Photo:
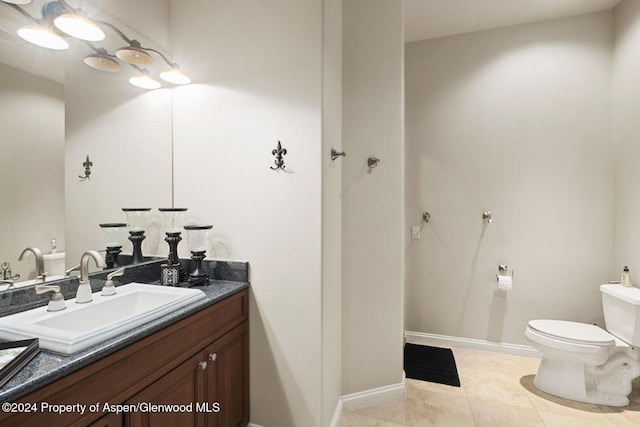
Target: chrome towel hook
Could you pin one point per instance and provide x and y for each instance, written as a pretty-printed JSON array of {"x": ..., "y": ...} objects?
[{"x": 335, "y": 154}]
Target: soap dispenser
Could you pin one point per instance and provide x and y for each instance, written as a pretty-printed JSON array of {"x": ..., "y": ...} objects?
[{"x": 625, "y": 279}]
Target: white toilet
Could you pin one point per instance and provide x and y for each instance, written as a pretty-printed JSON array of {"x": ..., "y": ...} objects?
[{"x": 586, "y": 363}]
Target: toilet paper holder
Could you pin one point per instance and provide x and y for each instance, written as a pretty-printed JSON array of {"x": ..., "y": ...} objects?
[{"x": 503, "y": 270}]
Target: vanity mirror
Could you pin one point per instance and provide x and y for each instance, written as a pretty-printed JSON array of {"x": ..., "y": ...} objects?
[{"x": 56, "y": 112}]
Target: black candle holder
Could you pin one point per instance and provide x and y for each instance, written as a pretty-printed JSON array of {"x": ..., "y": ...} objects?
[
  {"x": 136, "y": 238},
  {"x": 173, "y": 238},
  {"x": 198, "y": 238},
  {"x": 114, "y": 235},
  {"x": 137, "y": 223},
  {"x": 173, "y": 226},
  {"x": 198, "y": 275},
  {"x": 111, "y": 257}
]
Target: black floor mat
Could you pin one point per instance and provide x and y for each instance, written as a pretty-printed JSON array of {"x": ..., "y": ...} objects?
[{"x": 433, "y": 364}]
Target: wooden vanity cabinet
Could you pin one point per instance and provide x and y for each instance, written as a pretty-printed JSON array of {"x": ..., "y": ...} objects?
[
  {"x": 227, "y": 378},
  {"x": 199, "y": 366},
  {"x": 213, "y": 385},
  {"x": 109, "y": 420},
  {"x": 181, "y": 387}
]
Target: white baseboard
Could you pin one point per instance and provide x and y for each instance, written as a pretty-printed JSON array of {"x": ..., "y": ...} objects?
[
  {"x": 449, "y": 341},
  {"x": 367, "y": 398},
  {"x": 373, "y": 397},
  {"x": 337, "y": 415},
  {"x": 391, "y": 392},
  {"x": 364, "y": 398}
]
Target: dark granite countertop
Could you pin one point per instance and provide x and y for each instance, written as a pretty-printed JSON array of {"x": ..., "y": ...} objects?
[{"x": 47, "y": 367}]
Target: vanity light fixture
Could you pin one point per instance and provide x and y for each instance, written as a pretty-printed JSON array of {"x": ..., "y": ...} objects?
[
  {"x": 174, "y": 74},
  {"x": 76, "y": 24},
  {"x": 40, "y": 32},
  {"x": 42, "y": 36},
  {"x": 79, "y": 26},
  {"x": 138, "y": 56},
  {"x": 145, "y": 81},
  {"x": 134, "y": 54},
  {"x": 17, "y": 1},
  {"x": 101, "y": 60},
  {"x": 59, "y": 19}
]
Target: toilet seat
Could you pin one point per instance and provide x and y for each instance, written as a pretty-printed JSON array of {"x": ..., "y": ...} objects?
[{"x": 573, "y": 332}]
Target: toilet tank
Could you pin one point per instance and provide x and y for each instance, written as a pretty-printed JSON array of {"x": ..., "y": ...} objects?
[
  {"x": 54, "y": 264},
  {"x": 621, "y": 306}
]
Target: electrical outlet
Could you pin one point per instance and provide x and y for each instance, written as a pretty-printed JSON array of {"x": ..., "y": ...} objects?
[{"x": 415, "y": 232}]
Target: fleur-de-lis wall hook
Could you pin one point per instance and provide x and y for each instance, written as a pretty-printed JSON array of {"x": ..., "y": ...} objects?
[
  {"x": 87, "y": 169},
  {"x": 279, "y": 152}
]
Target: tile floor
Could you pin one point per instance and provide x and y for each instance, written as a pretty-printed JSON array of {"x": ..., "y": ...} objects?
[{"x": 497, "y": 391}]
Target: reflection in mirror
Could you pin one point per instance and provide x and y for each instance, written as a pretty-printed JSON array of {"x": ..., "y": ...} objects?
[
  {"x": 31, "y": 166},
  {"x": 56, "y": 111}
]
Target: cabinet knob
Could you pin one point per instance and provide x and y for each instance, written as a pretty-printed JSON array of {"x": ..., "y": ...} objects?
[
  {"x": 213, "y": 356},
  {"x": 202, "y": 365}
]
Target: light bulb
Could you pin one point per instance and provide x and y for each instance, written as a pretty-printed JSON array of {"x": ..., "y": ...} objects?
[
  {"x": 175, "y": 76},
  {"x": 145, "y": 81},
  {"x": 79, "y": 26},
  {"x": 134, "y": 55},
  {"x": 102, "y": 62},
  {"x": 43, "y": 37}
]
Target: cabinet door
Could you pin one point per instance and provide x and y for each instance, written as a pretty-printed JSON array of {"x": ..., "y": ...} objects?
[
  {"x": 170, "y": 400},
  {"x": 228, "y": 379},
  {"x": 109, "y": 420}
]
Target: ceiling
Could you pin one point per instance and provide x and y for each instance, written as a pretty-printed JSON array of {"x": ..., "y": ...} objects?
[{"x": 426, "y": 19}]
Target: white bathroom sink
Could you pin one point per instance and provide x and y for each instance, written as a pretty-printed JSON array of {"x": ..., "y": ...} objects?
[{"x": 82, "y": 325}]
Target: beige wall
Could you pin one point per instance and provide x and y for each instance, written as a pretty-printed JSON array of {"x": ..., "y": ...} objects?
[
  {"x": 626, "y": 128},
  {"x": 257, "y": 71},
  {"x": 515, "y": 121},
  {"x": 372, "y": 210},
  {"x": 126, "y": 131},
  {"x": 31, "y": 166},
  {"x": 280, "y": 81},
  {"x": 331, "y": 210},
  {"x": 512, "y": 120}
]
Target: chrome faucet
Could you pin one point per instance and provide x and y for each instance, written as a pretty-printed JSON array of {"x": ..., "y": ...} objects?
[
  {"x": 84, "y": 288},
  {"x": 57, "y": 300},
  {"x": 71, "y": 270},
  {"x": 40, "y": 274}
]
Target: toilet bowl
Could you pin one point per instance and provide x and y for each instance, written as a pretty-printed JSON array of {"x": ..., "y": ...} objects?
[{"x": 585, "y": 363}]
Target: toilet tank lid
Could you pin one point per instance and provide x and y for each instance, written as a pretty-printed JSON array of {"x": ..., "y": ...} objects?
[{"x": 630, "y": 294}]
